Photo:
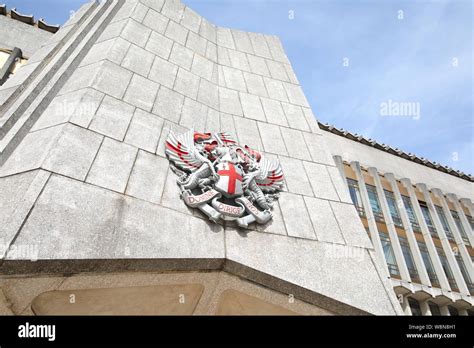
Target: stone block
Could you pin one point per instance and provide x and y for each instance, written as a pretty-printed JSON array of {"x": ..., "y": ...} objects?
[
  {"x": 73, "y": 152},
  {"x": 159, "y": 45},
  {"x": 77, "y": 107},
  {"x": 193, "y": 115},
  {"x": 295, "y": 94},
  {"x": 176, "y": 32},
  {"x": 339, "y": 184},
  {"x": 141, "y": 92},
  {"x": 227, "y": 123},
  {"x": 202, "y": 67},
  {"x": 138, "y": 60},
  {"x": 311, "y": 265},
  {"x": 318, "y": 149},
  {"x": 277, "y": 70},
  {"x": 144, "y": 131},
  {"x": 156, "y": 5},
  {"x": 324, "y": 221},
  {"x": 295, "y": 116},
  {"x": 181, "y": 56},
  {"x": 113, "y": 227},
  {"x": 173, "y": 9},
  {"x": 238, "y": 60},
  {"x": 155, "y": 21},
  {"x": 148, "y": 177},
  {"x": 271, "y": 139},
  {"x": 112, "y": 79},
  {"x": 19, "y": 193},
  {"x": 163, "y": 72},
  {"x": 255, "y": 84},
  {"x": 112, "y": 166},
  {"x": 136, "y": 33},
  {"x": 229, "y": 101},
  {"x": 259, "y": 45},
  {"x": 252, "y": 107},
  {"x": 208, "y": 94},
  {"x": 296, "y": 217},
  {"x": 112, "y": 49},
  {"x": 187, "y": 83},
  {"x": 171, "y": 195},
  {"x": 295, "y": 143},
  {"x": 242, "y": 41},
  {"x": 276, "y": 48},
  {"x": 207, "y": 30},
  {"x": 224, "y": 38},
  {"x": 247, "y": 133},
  {"x": 274, "y": 111},
  {"x": 321, "y": 181},
  {"x": 234, "y": 79},
  {"x": 223, "y": 56},
  {"x": 32, "y": 151},
  {"x": 196, "y": 43},
  {"x": 112, "y": 118},
  {"x": 213, "y": 123},
  {"x": 295, "y": 176},
  {"x": 191, "y": 20},
  {"x": 275, "y": 89},
  {"x": 211, "y": 51},
  {"x": 258, "y": 65},
  {"x": 352, "y": 228},
  {"x": 168, "y": 104}
]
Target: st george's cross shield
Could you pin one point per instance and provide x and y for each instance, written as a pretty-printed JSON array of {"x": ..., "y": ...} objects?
[{"x": 230, "y": 179}]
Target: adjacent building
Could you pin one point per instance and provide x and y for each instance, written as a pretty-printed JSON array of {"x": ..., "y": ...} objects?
[{"x": 90, "y": 211}]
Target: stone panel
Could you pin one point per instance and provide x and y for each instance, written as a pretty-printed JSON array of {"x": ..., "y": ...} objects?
[
  {"x": 352, "y": 228},
  {"x": 324, "y": 222},
  {"x": 296, "y": 217},
  {"x": 295, "y": 143},
  {"x": 320, "y": 181},
  {"x": 295, "y": 176},
  {"x": 73, "y": 152},
  {"x": 141, "y": 92},
  {"x": 168, "y": 104},
  {"x": 112, "y": 118},
  {"x": 144, "y": 131},
  {"x": 148, "y": 177},
  {"x": 163, "y": 72},
  {"x": 112, "y": 166}
]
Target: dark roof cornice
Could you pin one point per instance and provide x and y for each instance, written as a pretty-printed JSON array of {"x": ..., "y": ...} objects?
[{"x": 396, "y": 152}]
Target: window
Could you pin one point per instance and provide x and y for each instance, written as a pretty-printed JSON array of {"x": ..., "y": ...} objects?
[
  {"x": 392, "y": 205},
  {"x": 414, "y": 306},
  {"x": 453, "y": 311},
  {"x": 409, "y": 259},
  {"x": 411, "y": 214},
  {"x": 471, "y": 221},
  {"x": 389, "y": 255},
  {"x": 434, "y": 308},
  {"x": 457, "y": 220},
  {"x": 444, "y": 222},
  {"x": 465, "y": 274},
  {"x": 447, "y": 269},
  {"x": 374, "y": 203},
  {"x": 428, "y": 264},
  {"x": 355, "y": 196},
  {"x": 428, "y": 219}
]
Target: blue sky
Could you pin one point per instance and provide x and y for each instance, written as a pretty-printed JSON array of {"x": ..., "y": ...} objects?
[{"x": 426, "y": 58}]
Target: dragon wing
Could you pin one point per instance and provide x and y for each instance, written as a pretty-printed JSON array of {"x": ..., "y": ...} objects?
[
  {"x": 270, "y": 177},
  {"x": 181, "y": 150},
  {"x": 226, "y": 138}
]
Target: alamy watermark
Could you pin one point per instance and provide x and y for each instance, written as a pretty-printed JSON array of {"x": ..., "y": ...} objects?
[
  {"x": 341, "y": 252},
  {"x": 398, "y": 108},
  {"x": 19, "y": 251}
]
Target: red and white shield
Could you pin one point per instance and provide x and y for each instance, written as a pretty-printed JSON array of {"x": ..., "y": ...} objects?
[{"x": 230, "y": 179}]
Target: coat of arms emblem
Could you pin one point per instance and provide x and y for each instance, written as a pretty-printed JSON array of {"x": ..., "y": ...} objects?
[{"x": 223, "y": 179}]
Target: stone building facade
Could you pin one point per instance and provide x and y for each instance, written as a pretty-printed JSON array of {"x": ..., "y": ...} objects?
[{"x": 89, "y": 206}]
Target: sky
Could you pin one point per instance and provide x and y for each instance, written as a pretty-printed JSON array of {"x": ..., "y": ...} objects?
[{"x": 399, "y": 72}]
